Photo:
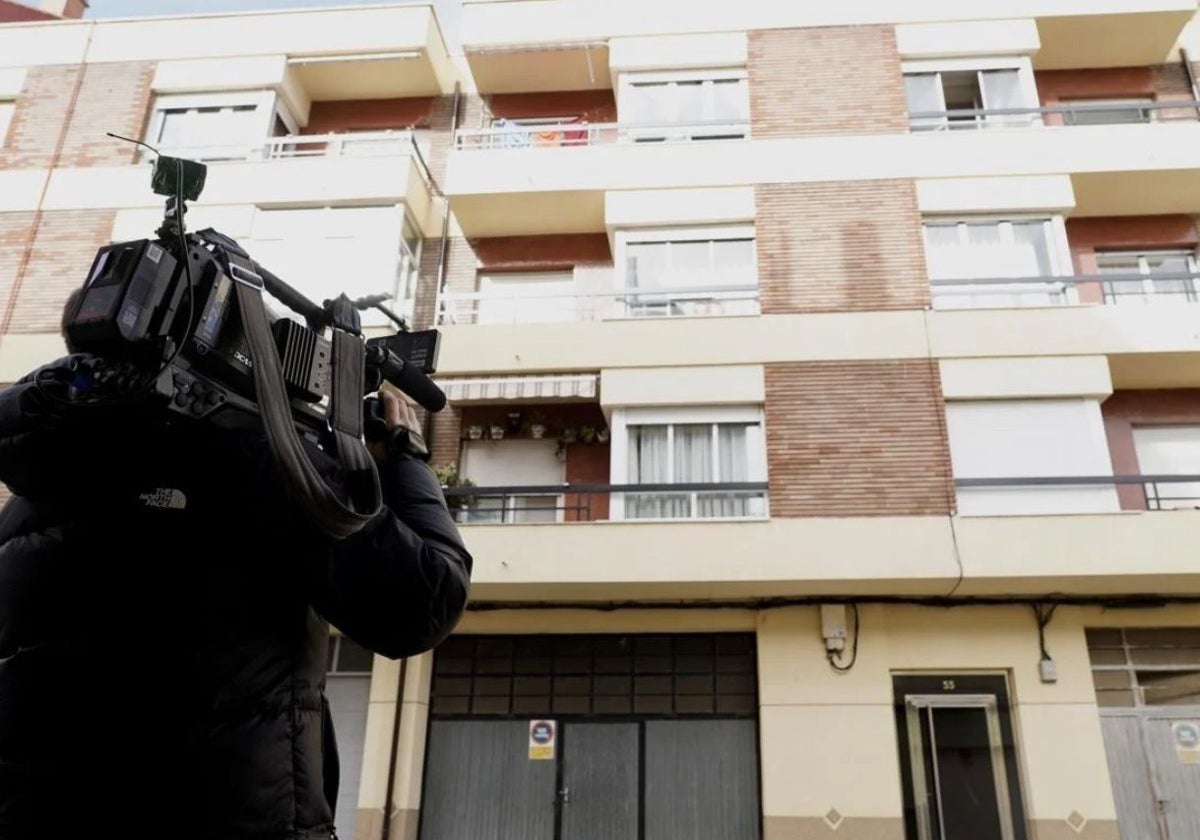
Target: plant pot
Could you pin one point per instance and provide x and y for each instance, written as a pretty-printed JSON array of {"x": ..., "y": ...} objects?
[
  {"x": 475, "y": 432},
  {"x": 568, "y": 436},
  {"x": 602, "y": 436},
  {"x": 496, "y": 432},
  {"x": 537, "y": 431}
]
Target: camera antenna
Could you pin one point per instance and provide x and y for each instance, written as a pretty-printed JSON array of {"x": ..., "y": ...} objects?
[{"x": 136, "y": 142}]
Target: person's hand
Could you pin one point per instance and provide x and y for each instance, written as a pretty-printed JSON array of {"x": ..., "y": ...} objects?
[{"x": 398, "y": 413}]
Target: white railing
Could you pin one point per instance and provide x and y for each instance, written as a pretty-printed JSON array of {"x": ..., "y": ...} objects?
[
  {"x": 518, "y": 307},
  {"x": 594, "y": 134},
  {"x": 352, "y": 144},
  {"x": 1110, "y": 288}
]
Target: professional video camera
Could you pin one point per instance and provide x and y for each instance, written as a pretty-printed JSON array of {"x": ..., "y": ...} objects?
[{"x": 180, "y": 321}]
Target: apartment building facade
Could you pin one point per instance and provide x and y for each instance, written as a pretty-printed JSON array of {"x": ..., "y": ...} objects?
[{"x": 824, "y": 388}]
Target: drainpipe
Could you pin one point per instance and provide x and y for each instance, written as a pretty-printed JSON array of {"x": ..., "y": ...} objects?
[{"x": 392, "y": 761}]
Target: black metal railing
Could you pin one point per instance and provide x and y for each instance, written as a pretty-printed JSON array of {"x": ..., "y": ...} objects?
[
  {"x": 959, "y": 119},
  {"x": 1114, "y": 286},
  {"x": 529, "y": 504},
  {"x": 1153, "y": 497}
]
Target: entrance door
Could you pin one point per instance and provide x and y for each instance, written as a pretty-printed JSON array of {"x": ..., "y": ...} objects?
[
  {"x": 957, "y": 758},
  {"x": 600, "y": 781},
  {"x": 1155, "y": 772}
]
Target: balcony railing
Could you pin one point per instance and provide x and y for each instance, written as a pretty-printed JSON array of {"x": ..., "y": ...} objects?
[
  {"x": 1154, "y": 492},
  {"x": 1111, "y": 288},
  {"x": 530, "y": 504},
  {"x": 595, "y": 134},
  {"x": 1107, "y": 113},
  {"x": 352, "y": 144},
  {"x": 519, "y": 307}
]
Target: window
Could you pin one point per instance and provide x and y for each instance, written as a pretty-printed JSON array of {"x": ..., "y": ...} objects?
[
  {"x": 696, "y": 106},
  {"x": 1139, "y": 276},
  {"x": 526, "y": 298},
  {"x": 938, "y": 89},
  {"x": 697, "y": 271},
  {"x": 6, "y": 114},
  {"x": 514, "y": 463},
  {"x": 1151, "y": 666},
  {"x": 323, "y": 251},
  {"x": 689, "y": 446},
  {"x": 1024, "y": 438},
  {"x": 1169, "y": 450},
  {"x": 217, "y": 126},
  {"x": 1107, "y": 111},
  {"x": 1001, "y": 250}
]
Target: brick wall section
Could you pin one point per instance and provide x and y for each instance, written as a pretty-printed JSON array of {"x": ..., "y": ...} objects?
[
  {"x": 445, "y": 432},
  {"x": 857, "y": 439},
  {"x": 15, "y": 229},
  {"x": 1126, "y": 409},
  {"x": 826, "y": 80},
  {"x": 842, "y": 246},
  {"x": 38, "y": 116},
  {"x": 113, "y": 97},
  {"x": 63, "y": 249}
]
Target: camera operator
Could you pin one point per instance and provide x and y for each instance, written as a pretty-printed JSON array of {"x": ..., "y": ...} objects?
[{"x": 163, "y": 609}]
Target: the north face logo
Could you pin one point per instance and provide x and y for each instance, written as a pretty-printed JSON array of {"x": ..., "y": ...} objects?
[{"x": 164, "y": 497}]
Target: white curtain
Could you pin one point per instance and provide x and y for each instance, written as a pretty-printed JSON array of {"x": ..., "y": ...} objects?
[
  {"x": 732, "y": 466},
  {"x": 649, "y": 463}
]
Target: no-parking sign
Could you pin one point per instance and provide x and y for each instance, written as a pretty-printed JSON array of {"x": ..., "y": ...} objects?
[{"x": 542, "y": 735}]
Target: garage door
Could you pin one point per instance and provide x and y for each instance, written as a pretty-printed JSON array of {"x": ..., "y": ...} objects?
[{"x": 347, "y": 688}]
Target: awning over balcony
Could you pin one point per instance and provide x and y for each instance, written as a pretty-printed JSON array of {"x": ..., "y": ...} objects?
[{"x": 504, "y": 388}]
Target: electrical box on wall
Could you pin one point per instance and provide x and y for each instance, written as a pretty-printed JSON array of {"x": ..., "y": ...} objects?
[{"x": 833, "y": 626}]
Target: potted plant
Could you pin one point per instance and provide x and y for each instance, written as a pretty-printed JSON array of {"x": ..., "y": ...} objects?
[
  {"x": 602, "y": 434},
  {"x": 475, "y": 432},
  {"x": 587, "y": 434},
  {"x": 496, "y": 431},
  {"x": 448, "y": 477},
  {"x": 537, "y": 427}
]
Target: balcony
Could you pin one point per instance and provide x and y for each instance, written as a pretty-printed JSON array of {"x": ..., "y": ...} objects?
[
  {"x": 532, "y": 42},
  {"x": 349, "y": 168},
  {"x": 515, "y": 305},
  {"x": 1116, "y": 288},
  {"x": 594, "y": 134},
  {"x": 1064, "y": 494},
  {"x": 1115, "y": 112},
  {"x": 1086, "y": 554},
  {"x": 552, "y": 503}
]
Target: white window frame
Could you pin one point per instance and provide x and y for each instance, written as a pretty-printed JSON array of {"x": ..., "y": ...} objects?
[
  {"x": 1022, "y": 64},
  {"x": 756, "y": 448},
  {"x": 634, "y": 132},
  {"x": 1061, "y": 264},
  {"x": 267, "y": 103},
  {"x": 651, "y": 236}
]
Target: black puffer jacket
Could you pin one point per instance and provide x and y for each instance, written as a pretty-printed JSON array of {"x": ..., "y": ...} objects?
[{"x": 162, "y": 625}]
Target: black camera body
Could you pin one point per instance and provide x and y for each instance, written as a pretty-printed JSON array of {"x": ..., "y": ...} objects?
[{"x": 162, "y": 316}]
